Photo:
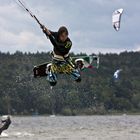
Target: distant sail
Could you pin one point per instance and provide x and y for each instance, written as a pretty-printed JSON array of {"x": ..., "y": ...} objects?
[{"x": 116, "y": 73}]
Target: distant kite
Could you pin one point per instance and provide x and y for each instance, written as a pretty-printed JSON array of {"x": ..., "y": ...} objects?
[
  {"x": 116, "y": 74},
  {"x": 116, "y": 19}
]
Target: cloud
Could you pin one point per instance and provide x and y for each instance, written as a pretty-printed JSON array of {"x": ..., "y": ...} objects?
[
  {"x": 17, "y": 31},
  {"x": 24, "y": 41},
  {"x": 137, "y": 47},
  {"x": 89, "y": 24}
]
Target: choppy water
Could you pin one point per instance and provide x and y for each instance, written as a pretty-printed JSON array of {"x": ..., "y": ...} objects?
[{"x": 74, "y": 128}]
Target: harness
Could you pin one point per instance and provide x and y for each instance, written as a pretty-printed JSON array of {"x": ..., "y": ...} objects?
[{"x": 61, "y": 64}]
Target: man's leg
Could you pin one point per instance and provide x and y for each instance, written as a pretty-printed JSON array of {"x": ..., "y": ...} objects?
[
  {"x": 51, "y": 77},
  {"x": 76, "y": 75}
]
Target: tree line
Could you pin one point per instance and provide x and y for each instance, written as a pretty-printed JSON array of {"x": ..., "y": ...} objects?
[{"x": 98, "y": 93}]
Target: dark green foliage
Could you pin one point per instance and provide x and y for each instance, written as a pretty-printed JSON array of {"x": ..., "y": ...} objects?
[{"x": 20, "y": 93}]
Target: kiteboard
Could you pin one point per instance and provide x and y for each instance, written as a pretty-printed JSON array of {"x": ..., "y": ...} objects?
[{"x": 81, "y": 62}]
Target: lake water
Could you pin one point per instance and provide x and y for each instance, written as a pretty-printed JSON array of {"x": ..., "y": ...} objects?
[{"x": 74, "y": 128}]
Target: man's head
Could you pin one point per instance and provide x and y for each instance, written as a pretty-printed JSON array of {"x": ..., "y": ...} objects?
[{"x": 63, "y": 33}]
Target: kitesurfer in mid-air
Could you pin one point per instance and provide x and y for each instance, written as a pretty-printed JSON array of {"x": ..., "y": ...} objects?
[
  {"x": 60, "y": 55},
  {"x": 61, "y": 62},
  {"x": 5, "y": 123}
]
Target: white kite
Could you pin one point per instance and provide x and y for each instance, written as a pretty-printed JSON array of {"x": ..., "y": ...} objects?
[
  {"x": 116, "y": 18},
  {"x": 116, "y": 74}
]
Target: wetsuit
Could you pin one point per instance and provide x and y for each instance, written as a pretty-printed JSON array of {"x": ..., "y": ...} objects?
[{"x": 60, "y": 48}]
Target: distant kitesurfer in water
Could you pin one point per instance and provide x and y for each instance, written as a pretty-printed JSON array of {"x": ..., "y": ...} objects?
[{"x": 5, "y": 123}]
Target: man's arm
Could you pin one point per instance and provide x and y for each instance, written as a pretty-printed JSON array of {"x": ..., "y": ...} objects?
[
  {"x": 46, "y": 31},
  {"x": 50, "y": 34}
]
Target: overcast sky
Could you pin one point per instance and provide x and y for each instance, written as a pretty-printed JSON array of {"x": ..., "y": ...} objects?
[{"x": 89, "y": 23}]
